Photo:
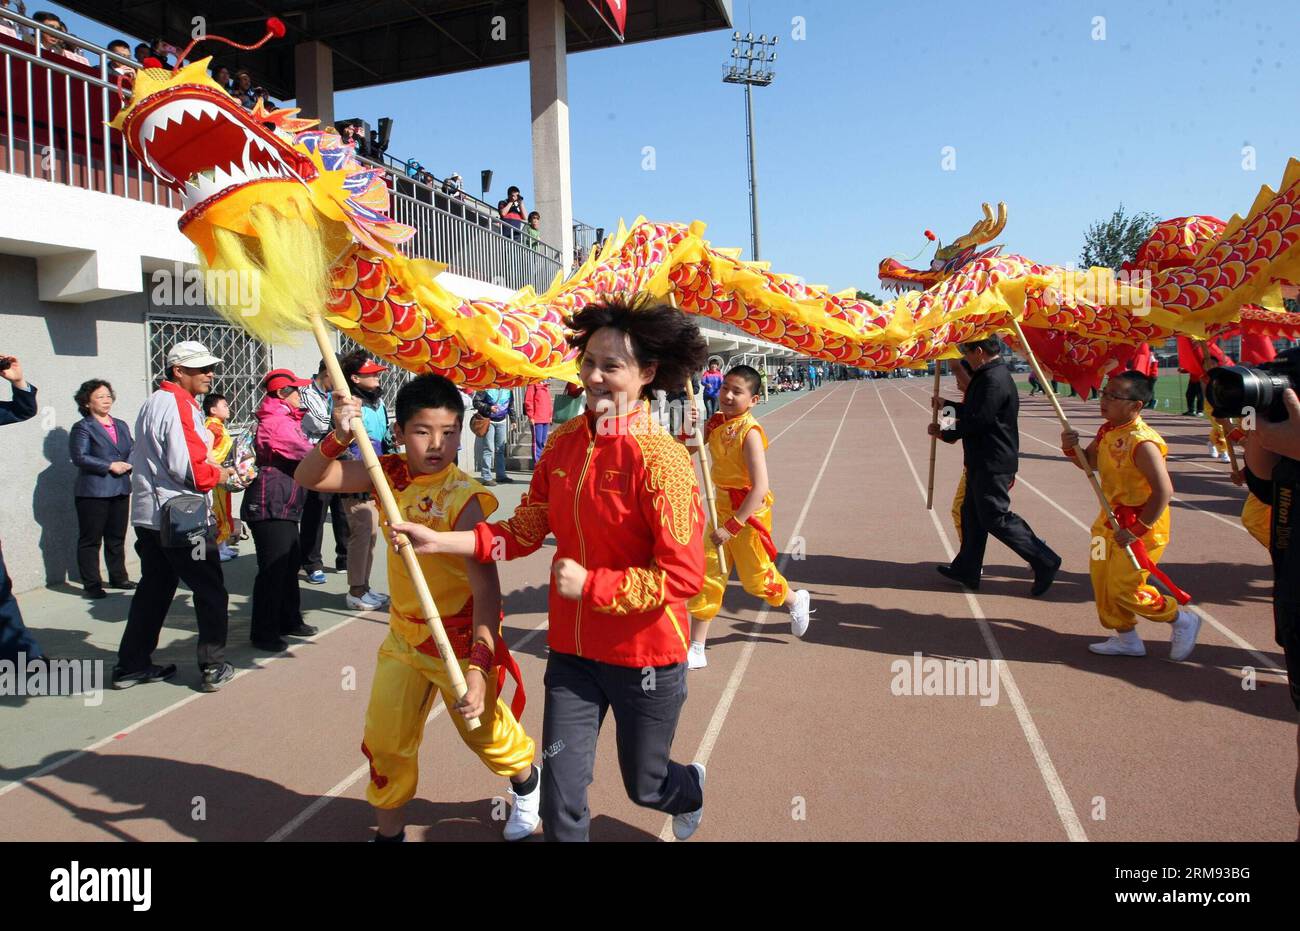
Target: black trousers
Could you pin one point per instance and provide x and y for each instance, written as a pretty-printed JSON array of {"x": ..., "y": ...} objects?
[
  {"x": 1195, "y": 396},
  {"x": 160, "y": 571},
  {"x": 102, "y": 520},
  {"x": 1286, "y": 631},
  {"x": 276, "y": 606},
  {"x": 646, "y": 704},
  {"x": 987, "y": 510},
  {"x": 313, "y": 529}
]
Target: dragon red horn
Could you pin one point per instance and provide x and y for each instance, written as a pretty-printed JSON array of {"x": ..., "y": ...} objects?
[{"x": 275, "y": 29}]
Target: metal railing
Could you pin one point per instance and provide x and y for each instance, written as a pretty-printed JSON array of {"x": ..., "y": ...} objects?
[
  {"x": 53, "y": 126},
  {"x": 467, "y": 237}
]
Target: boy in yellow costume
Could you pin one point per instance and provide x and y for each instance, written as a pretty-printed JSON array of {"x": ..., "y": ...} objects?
[
  {"x": 1130, "y": 458},
  {"x": 409, "y": 676},
  {"x": 217, "y": 410},
  {"x": 737, "y": 443}
]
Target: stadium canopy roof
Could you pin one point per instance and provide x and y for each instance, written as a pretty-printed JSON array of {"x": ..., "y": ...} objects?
[{"x": 381, "y": 41}]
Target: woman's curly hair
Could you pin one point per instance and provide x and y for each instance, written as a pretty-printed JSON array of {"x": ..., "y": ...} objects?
[
  {"x": 82, "y": 397},
  {"x": 660, "y": 335}
]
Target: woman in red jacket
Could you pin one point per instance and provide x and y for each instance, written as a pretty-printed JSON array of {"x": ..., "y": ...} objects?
[{"x": 619, "y": 494}]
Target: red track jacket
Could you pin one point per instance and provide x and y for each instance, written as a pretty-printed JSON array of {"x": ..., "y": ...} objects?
[{"x": 623, "y": 503}]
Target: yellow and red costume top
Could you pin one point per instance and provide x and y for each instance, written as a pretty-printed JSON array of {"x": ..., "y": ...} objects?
[
  {"x": 437, "y": 501},
  {"x": 622, "y": 500},
  {"x": 1128, "y": 491},
  {"x": 726, "y": 441}
]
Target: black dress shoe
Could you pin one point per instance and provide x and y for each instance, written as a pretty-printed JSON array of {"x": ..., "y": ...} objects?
[
  {"x": 152, "y": 673},
  {"x": 949, "y": 573},
  {"x": 278, "y": 645},
  {"x": 126, "y": 586},
  {"x": 95, "y": 591},
  {"x": 302, "y": 630},
  {"x": 1043, "y": 578}
]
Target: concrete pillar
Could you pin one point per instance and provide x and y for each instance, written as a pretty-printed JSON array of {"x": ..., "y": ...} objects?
[
  {"x": 313, "y": 65},
  {"x": 549, "y": 83}
]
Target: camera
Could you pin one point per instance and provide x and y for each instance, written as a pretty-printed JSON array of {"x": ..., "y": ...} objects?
[
  {"x": 1235, "y": 389},
  {"x": 5, "y": 362}
]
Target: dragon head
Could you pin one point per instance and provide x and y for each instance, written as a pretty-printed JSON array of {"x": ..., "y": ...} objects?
[
  {"x": 896, "y": 276},
  {"x": 222, "y": 159}
]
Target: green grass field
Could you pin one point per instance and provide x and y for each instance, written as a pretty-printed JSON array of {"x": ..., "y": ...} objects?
[{"x": 1171, "y": 388}]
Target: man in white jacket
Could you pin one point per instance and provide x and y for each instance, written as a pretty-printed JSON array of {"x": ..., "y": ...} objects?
[{"x": 170, "y": 458}]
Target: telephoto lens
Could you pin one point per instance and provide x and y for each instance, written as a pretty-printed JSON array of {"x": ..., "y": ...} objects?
[{"x": 1237, "y": 390}]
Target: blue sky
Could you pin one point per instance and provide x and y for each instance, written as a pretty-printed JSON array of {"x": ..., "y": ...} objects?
[{"x": 851, "y": 135}]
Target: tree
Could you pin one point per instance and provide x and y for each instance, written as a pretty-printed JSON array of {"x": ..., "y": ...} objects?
[
  {"x": 1111, "y": 243},
  {"x": 868, "y": 296}
]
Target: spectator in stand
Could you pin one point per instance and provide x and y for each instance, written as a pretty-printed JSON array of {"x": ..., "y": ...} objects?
[
  {"x": 15, "y": 638},
  {"x": 142, "y": 51},
  {"x": 318, "y": 401},
  {"x": 100, "y": 446},
  {"x": 272, "y": 509},
  {"x": 11, "y": 27},
  {"x": 221, "y": 74},
  {"x": 362, "y": 374},
  {"x": 490, "y": 449},
  {"x": 512, "y": 211},
  {"x": 116, "y": 68},
  {"x": 711, "y": 384},
  {"x": 533, "y": 231},
  {"x": 171, "y": 458},
  {"x": 162, "y": 50},
  {"x": 243, "y": 89},
  {"x": 54, "y": 44},
  {"x": 540, "y": 409},
  {"x": 352, "y": 136},
  {"x": 452, "y": 186}
]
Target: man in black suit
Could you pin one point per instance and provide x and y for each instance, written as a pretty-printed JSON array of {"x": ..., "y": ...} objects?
[
  {"x": 14, "y": 637},
  {"x": 985, "y": 422}
]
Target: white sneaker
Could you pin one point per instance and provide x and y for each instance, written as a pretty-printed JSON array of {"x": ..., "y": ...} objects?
[
  {"x": 378, "y": 598},
  {"x": 1214, "y": 452},
  {"x": 1186, "y": 626},
  {"x": 1120, "y": 645},
  {"x": 684, "y": 825},
  {"x": 525, "y": 814},
  {"x": 366, "y": 602},
  {"x": 1224, "y": 456},
  {"x": 800, "y": 612},
  {"x": 695, "y": 658},
  {"x": 227, "y": 553}
]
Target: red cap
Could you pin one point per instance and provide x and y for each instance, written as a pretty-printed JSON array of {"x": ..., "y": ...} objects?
[
  {"x": 283, "y": 378},
  {"x": 371, "y": 367}
]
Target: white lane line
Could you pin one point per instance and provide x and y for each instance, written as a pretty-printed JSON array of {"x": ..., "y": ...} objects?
[
  {"x": 357, "y": 774},
  {"x": 719, "y": 718},
  {"x": 1266, "y": 664},
  {"x": 181, "y": 703},
  {"x": 1055, "y": 788}
]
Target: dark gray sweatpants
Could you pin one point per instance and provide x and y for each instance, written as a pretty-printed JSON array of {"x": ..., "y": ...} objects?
[{"x": 647, "y": 703}]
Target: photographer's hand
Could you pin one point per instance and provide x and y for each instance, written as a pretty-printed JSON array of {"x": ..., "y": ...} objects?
[
  {"x": 14, "y": 373},
  {"x": 1283, "y": 438}
]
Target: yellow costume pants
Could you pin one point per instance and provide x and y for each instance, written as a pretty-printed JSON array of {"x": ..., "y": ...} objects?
[
  {"x": 221, "y": 511},
  {"x": 957, "y": 501},
  {"x": 406, "y": 683},
  {"x": 1121, "y": 591},
  {"x": 1218, "y": 436},
  {"x": 745, "y": 551},
  {"x": 1256, "y": 517}
]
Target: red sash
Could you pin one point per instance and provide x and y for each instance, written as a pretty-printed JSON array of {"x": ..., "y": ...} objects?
[
  {"x": 1126, "y": 515},
  {"x": 460, "y": 633},
  {"x": 738, "y": 496}
]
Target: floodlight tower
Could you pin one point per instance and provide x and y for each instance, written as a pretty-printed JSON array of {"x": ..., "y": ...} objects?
[{"x": 751, "y": 64}]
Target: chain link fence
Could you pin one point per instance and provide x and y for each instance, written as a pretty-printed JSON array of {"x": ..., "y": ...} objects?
[{"x": 244, "y": 360}]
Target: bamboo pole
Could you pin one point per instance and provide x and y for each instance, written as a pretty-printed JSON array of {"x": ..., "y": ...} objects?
[
  {"x": 934, "y": 441},
  {"x": 428, "y": 609},
  {"x": 1079, "y": 452}
]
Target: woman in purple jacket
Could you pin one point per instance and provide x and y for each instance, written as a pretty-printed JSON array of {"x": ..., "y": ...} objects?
[{"x": 272, "y": 508}]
